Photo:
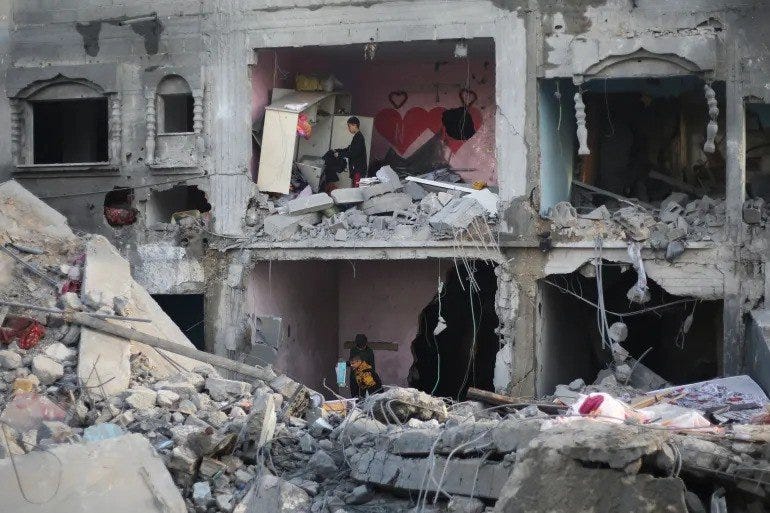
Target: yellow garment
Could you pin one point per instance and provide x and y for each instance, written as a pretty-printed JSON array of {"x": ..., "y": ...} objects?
[
  {"x": 364, "y": 376},
  {"x": 308, "y": 83}
]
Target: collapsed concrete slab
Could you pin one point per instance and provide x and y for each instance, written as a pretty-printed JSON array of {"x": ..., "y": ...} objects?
[
  {"x": 22, "y": 213},
  {"x": 120, "y": 475},
  {"x": 544, "y": 480},
  {"x": 458, "y": 214},
  {"x": 466, "y": 476},
  {"x": 275, "y": 495}
]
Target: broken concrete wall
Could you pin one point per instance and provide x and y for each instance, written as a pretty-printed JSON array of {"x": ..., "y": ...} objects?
[{"x": 305, "y": 296}]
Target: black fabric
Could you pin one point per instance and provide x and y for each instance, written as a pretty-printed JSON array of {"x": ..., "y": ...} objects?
[
  {"x": 332, "y": 166},
  {"x": 356, "y": 154},
  {"x": 458, "y": 123},
  {"x": 366, "y": 354}
]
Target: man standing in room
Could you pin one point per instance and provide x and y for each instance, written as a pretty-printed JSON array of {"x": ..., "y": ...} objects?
[
  {"x": 355, "y": 153},
  {"x": 367, "y": 380},
  {"x": 362, "y": 350}
]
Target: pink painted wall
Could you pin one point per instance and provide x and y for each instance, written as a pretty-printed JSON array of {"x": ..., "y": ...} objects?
[
  {"x": 370, "y": 84},
  {"x": 383, "y": 300},
  {"x": 375, "y": 81},
  {"x": 305, "y": 295}
]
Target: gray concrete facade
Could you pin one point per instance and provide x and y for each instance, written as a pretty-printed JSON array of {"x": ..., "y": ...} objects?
[{"x": 125, "y": 49}]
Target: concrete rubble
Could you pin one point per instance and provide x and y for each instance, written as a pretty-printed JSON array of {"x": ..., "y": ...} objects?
[
  {"x": 388, "y": 208},
  {"x": 94, "y": 422}
]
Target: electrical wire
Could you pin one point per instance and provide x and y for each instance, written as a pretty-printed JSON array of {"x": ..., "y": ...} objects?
[{"x": 105, "y": 191}]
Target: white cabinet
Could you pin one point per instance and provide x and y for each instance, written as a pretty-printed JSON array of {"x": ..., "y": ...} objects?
[{"x": 282, "y": 147}]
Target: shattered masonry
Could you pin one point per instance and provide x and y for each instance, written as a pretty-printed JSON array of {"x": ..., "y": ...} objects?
[{"x": 607, "y": 212}]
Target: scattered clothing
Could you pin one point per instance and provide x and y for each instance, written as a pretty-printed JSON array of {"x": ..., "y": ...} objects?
[{"x": 367, "y": 380}]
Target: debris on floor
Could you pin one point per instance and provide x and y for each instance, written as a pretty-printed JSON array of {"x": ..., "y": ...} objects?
[
  {"x": 113, "y": 409},
  {"x": 667, "y": 225},
  {"x": 383, "y": 207}
]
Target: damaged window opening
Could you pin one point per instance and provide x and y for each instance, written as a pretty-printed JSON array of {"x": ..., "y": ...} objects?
[
  {"x": 186, "y": 310},
  {"x": 456, "y": 343},
  {"x": 175, "y": 106},
  {"x": 182, "y": 198},
  {"x": 680, "y": 342},
  {"x": 70, "y": 131}
]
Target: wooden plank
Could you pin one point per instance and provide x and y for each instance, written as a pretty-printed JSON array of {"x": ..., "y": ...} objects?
[{"x": 377, "y": 346}]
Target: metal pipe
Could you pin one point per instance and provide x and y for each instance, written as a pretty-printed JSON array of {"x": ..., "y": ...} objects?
[{"x": 57, "y": 311}]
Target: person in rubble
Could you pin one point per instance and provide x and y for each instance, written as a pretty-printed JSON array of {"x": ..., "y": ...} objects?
[
  {"x": 367, "y": 380},
  {"x": 362, "y": 350},
  {"x": 355, "y": 153}
]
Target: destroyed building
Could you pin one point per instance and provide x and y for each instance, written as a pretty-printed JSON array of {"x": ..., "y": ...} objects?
[{"x": 538, "y": 172}]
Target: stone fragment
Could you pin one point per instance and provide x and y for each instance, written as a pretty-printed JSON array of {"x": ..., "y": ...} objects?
[
  {"x": 674, "y": 250},
  {"x": 128, "y": 477},
  {"x": 261, "y": 423},
  {"x": 187, "y": 407},
  {"x": 224, "y": 501},
  {"x": 458, "y": 214},
  {"x": 460, "y": 504},
  {"x": 348, "y": 195},
  {"x": 102, "y": 431},
  {"x": 360, "y": 495},
  {"x": 308, "y": 204},
  {"x": 221, "y": 389},
  {"x": 415, "y": 191},
  {"x": 275, "y": 495},
  {"x": 355, "y": 218},
  {"x": 375, "y": 190},
  {"x": 183, "y": 459},
  {"x": 141, "y": 398},
  {"x": 70, "y": 301},
  {"x": 209, "y": 467},
  {"x": 201, "y": 493},
  {"x": 9, "y": 359},
  {"x": 282, "y": 227},
  {"x": 322, "y": 464},
  {"x": 389, "y": 177},
  {"x": 391, "y": 202},
  {"x": 341, "y": 235},
  {"x": 60, "y": 352},
  {"x": 46, "y": 369},
  {"x": 166, "y": 398}
]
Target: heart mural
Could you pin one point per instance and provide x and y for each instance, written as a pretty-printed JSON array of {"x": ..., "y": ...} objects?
[{"x": 401, "y": 132}]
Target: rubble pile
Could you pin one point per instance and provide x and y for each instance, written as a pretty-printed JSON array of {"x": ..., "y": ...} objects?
[
  {"x": 384, "y": 208},
  {"x": 94, "y": 418},
  {"x": 667, "y": 226}
]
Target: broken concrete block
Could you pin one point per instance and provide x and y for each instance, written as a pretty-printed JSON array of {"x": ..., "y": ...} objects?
[
  {"x": 674, "y": 250},
  {"x": 261, "y": 422},
  {"x": 22, "y": 213},
  {"x": 308, "y": 204},
  {"x": 528, "y": 488},
  {"x": 415, "y": 191},
  {"x": 201, "y": 493},
  {"x": 166, "y": 398},
  {"x": 389, "y": 177},
  {"x": 348, "y": 195},
  {"x": 130, "y": 477},
  {"x": 70, "y": 301},
  {"x": 360, "y": 495},
  {"x": 752, "y": 210},
  {"x": 464, "y": 476},
  {"x": 275, "y": 495},
  {"x": 341, "y": 234},
  {"x": 322, "y": 465},
  {"x": 444, "y": 197},
  {"x": 183, "y": 459},
  {"x": 460, "y": 504},
  {"x": 282, "y": 227},
  {"x": 60, "y": 352},
  {"x": 9, "y": 359},
  {"x": 221, "y": 389},
  {"x": 458, "y": 214},
  {"x": 141, "y": 398},
  {"x": 375, "y": 190},
  {"x": 678, "y": 198},
  {"x": 391, "y": 202},
  {"x": 46, "y": 369},
  {"x": 355, "y": 218}
]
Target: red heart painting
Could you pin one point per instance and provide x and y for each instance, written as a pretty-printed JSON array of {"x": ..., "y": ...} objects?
[{"x": 401, "y": 132}]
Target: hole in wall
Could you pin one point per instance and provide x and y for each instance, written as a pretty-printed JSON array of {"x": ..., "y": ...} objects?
[
  {"x": 569, "y": 344},
  {"x": 163, "y": 204},
  {"x": 187, "y": 312},
  {"x": 119, "y": 207},
  {"x": 463, "y": 354}
]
